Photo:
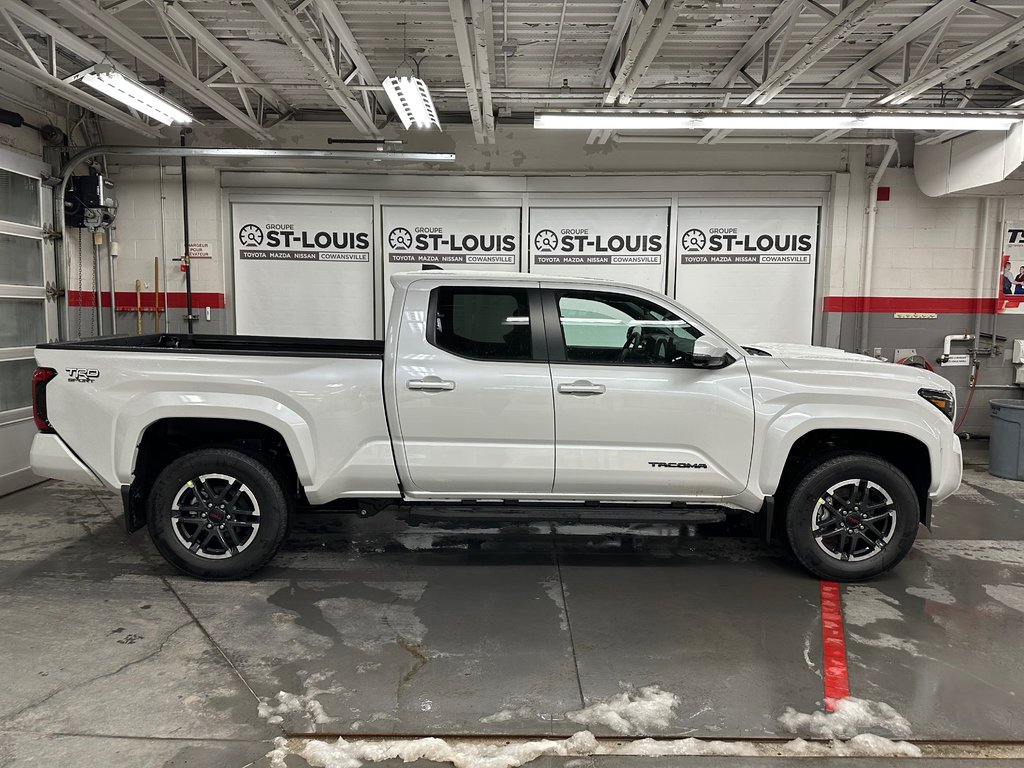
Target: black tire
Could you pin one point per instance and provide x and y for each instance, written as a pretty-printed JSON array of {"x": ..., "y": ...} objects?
[
  {"x": 812, "y": 508},
  {"x": 249, "y": 538}
]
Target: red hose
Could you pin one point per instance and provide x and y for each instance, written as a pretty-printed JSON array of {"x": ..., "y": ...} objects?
[{"x": 970, "y": 397}]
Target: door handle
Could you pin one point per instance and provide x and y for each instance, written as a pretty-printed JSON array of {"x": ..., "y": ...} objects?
[
  {"x": 430, "y": 384},
  {"x": 581, "y": 388}
]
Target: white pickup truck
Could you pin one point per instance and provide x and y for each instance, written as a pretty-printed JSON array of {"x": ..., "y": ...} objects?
[{"x": 500, "y": 397}]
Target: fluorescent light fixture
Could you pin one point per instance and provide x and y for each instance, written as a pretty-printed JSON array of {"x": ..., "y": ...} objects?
[
  {"x": 411, "y": 99},
  {"x": 133, "y": 94},
  {"x": 778, "y": 120}
]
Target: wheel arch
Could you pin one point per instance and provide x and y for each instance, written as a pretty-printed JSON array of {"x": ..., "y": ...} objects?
[
  {"x": 906, "y": 452},
  {"x": 166, "y": 439}
]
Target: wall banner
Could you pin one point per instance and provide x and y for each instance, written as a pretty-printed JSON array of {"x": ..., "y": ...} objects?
[
  {"x": 454, "y": 237},
  {"x": 626, "y": 244},
  {"x": 1010, "y": 285},
  {"x": 303, "y": 269},
  {"x": 469, "y": 236},
  {"x": 750, "y": 271}
]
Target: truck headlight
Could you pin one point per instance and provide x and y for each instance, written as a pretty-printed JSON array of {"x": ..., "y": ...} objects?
[{"x": 941, "y": 399}]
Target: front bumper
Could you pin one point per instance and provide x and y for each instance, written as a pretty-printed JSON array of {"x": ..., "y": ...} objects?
[
  {"x": 951, "y": 469},
  {"x": 51, "y": 457}
]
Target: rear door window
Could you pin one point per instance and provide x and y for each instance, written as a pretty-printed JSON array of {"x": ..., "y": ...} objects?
[{"x": 482, "y": 323}]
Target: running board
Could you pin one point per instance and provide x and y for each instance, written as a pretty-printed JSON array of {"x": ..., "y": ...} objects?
[{"x": 556, "y": 513}]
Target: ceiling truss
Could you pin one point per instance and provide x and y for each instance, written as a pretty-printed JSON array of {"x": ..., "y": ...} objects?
[{"x": 254, "y": 63}]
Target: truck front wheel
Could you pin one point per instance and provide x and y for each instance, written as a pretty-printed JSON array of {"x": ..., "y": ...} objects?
[
  {"x": 852, "y": 517},
  {"x": 217, "y": 513}
]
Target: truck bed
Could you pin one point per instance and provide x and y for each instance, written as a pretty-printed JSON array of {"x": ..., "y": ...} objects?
[{"x": 280, "y": 346}]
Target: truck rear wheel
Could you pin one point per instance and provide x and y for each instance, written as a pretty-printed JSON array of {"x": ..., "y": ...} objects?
[
  {"x": 852, "y": 517},
  {"x": 217, "y": 513}
]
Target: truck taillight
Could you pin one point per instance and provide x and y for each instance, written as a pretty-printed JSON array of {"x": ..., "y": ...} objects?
[{"x": 40, "y": 379}]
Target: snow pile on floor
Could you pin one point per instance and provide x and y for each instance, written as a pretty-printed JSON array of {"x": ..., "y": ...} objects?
[
  {"x": 352, "y": 754},
  {"x": 306, "y": 703},
  {"x": 633, "y": 711},
  {"x": 850, "y": 718},
  {"x": 482, "y": 754},
  {"x": 862, "y": 745}
]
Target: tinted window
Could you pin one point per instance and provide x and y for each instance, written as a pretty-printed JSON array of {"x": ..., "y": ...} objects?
[
  {"x": 482, "y": 323},
  {"x": 625, "y": 330}
]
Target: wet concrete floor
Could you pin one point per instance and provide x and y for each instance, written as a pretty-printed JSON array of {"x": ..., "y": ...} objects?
[{"x": 110, "y": 657}]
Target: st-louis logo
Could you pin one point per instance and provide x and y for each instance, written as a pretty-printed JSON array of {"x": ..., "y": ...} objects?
[
  {"x": 694, "y": 240},
  {"x": 250, "y": 235},
  {"x": 545, "y": 241},
  {"x": 400, "y": 237}
]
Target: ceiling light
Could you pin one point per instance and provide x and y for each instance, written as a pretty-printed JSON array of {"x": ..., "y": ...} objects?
[
  {"x": 411, "y": 99},
  {"x": 108, "y": 81},
  {"x": 778, "y": 120}
]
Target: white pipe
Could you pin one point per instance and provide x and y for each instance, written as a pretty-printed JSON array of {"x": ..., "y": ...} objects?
[
  {"x": 981, "y": 266},
  {"x": 946, "y": 342},
  {"x": 868, "y": 262}
]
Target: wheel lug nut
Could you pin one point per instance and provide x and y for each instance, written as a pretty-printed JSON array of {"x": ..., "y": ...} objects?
[{"x": 209, "y": 525}]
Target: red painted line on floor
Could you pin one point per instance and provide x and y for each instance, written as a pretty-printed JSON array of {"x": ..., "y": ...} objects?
[{"x": 833, "y": 642}]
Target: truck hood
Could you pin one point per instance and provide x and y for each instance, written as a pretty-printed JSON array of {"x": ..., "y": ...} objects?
[
  {"x": 807, "y": 352},
  {"x": 828, "y": 360}
]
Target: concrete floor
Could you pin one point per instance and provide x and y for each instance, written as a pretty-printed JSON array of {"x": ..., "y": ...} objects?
[{"x": 112, "y": 658}]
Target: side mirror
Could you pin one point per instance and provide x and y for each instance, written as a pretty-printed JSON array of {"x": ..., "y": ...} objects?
[{"x": 709, "y": 352}]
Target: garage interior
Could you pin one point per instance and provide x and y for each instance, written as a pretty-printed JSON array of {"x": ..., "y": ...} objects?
[{"x": 878, "y": 143}]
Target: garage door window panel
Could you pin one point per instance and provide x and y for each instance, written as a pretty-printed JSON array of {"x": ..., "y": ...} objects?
[
  {"x": 483, "y": 324},
  {"x": 618, "y": 329},
  {"x": 22, "y": 322},
  {"x": 21, "y": 260},
  {"x": 19, "y": 199}
]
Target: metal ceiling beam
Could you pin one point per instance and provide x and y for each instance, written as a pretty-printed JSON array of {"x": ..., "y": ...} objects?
[
  {"x": 933, "y": 45},
  {"x": 823, "y": 41},
  {"x": 129, "y": 41},
  {"x": 460, "y": 24},
  {"x": 294, "y": 33},
  {"x": 652, "y": 46},
  {"x": 48, "y": 82},
  {"x": 188, "y": 24},
  {"x": 618, "y": 34},
  {"x": 659, "y": 15},
  {"x": 893, "y": 45},
  {"x": 1010, "y": 34},
  {"x": 768, "y": 29},
  {"x": 979, "y": 75},
  {"x": 338, "y": 25},
  {"x": 483, "y": 28},
  {"x": 63, "y": 37}
]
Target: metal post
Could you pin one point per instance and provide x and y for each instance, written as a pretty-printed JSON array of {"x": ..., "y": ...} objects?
[
  {"x": 113, "y": 279},
  {"x": 97, "y": 238},
  {"x": 189, "y": 319}
]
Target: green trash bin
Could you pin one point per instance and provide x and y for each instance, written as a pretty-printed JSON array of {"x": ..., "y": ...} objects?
[{"x": 1006, "y": 445}]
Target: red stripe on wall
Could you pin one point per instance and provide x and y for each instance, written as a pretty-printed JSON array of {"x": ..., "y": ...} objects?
[
  {"x": 942, "y": 306},
  {"x": 833, "y": 643},
  {"x": 125, "y": 300}
]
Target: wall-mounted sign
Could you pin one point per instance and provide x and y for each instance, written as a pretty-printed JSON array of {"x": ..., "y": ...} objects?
[
  {"x": 453, "y": 237},
  {"x": 627, "y": 244},
  {"x": 303, "y": 269},
  {"x": 199, "y": 250},
  {"x": 1010, "y": 280},
  {"x": 750, "y": 271}
]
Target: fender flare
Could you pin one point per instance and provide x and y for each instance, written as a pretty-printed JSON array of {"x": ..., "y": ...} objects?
[
  {"x": 780, "y": 435},
  {"x": 132, "y": 421}
]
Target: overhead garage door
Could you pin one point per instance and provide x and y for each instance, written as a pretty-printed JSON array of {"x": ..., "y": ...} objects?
[
  {"x": 627, "y": 244},
  {"x": 750, "y": 270},
  {"x": 303, "y": 269},
  {"x": 477, "y": 237},
  {"x": 26, "y": 317}
]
